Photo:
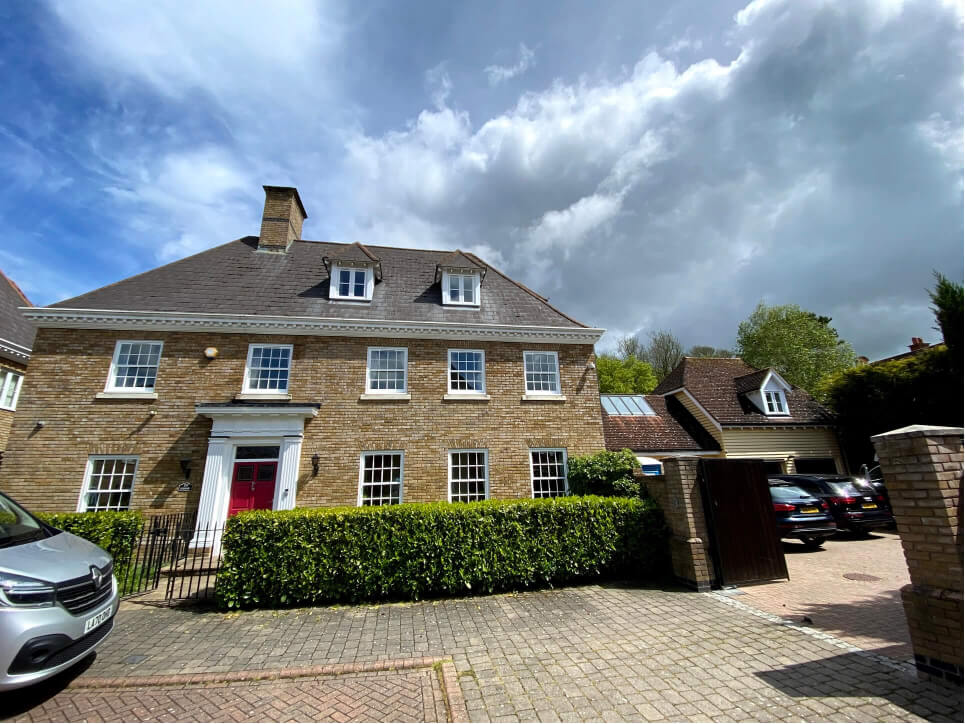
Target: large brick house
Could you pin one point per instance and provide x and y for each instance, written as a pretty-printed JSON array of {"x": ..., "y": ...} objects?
[
  {"x": 16, "y": 340},
  {"x": 724, "y": 408},
  {"x": 271, "y": 372}
]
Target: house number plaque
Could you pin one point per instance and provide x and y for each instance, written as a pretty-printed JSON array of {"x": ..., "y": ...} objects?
[{"x": 184, "y": 487}]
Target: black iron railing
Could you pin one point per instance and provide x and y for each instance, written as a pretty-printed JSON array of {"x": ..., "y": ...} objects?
[{"x": 175, "y": 559}]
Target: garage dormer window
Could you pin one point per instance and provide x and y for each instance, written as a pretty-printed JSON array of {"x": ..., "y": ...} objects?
[
  {"x": 461, "y": 288},
  {"x": 355, "y": 283},
  {"x": 775, "y": 402}
]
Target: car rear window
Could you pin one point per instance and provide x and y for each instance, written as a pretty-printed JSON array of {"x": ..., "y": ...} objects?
[
  {"x": 846, "y": 487},
  {"x": 788, "y": 492}
]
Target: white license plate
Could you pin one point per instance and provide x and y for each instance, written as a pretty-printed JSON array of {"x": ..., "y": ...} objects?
[{"x": 95, "y": 621}]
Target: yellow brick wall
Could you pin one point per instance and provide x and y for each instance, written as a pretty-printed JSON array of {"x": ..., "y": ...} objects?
[
  {"x": 44, "y": 467},
  {"x": 6, "y": 416}
]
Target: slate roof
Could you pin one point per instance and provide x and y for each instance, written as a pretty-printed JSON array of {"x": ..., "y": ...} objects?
[
  {"x": 14, "y": 327},
  {"x": 671, "y": 429},
  {"x": 234, "y": 278},
  {"x": 751, "y": 382},
  {"x": 720, "y": 385}
]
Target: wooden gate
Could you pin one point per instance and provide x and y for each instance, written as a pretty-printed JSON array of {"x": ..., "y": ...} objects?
[{"x": 740, "y": 521}]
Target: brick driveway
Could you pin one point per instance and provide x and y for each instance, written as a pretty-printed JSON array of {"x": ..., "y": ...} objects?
[
  {"x": 849, "y": 589},
  {"x": 607, "y": 653}
]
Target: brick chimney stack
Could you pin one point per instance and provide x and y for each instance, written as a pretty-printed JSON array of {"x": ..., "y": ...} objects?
[
  {"x": 281, "y": 222},
  {"x": 917, "y": 344}
]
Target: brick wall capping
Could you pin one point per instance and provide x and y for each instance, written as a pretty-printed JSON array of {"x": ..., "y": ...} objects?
[
  {"x": 919, "y": 431},
  {"x": 59, "y": 317}
]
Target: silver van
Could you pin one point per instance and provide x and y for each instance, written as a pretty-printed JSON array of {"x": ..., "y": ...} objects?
[{"x": 58, "y": 597}]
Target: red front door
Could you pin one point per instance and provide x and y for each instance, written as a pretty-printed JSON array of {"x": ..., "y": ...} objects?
[{"x": 252, "y": 487}]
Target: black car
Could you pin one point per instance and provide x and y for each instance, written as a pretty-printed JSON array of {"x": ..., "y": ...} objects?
[
  {"x": 801, "y": 515},
  {"x": 855, "y": 505}
]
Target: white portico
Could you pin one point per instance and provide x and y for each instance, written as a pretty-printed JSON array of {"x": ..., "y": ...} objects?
[{"x": 274, "y": 433}]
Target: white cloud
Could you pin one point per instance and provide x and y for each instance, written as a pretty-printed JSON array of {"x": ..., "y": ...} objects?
[
  {"x": 497, "y": 74},
  {"x": 698, "y": 190}
]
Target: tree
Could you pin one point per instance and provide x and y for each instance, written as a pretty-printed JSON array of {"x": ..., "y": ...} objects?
[
  {"x": 663, "y": 352},
  {"x": 701, "y": 350},
  {"x": 925, "y": 388},
  {"x": 799, "y": 344},
  {"x": 947, "y": 301},
  {"x": 629, "y": 347},
  {"x": 630, "y": 376}
]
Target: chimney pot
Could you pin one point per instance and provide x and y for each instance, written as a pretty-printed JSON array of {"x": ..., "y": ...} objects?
[
  {"x": 281, "y": 221},
  {"x": 917, "y": 344}
]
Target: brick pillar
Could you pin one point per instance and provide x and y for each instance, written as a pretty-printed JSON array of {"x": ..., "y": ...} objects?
[
  {"x": 678, "y": 496},
  {"x": 922, "y": 467}
]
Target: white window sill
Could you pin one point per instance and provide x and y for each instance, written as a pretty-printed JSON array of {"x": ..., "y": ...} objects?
[
  {"x": 351, "y": 300},
  {"x": 385, "y": 396},
  {"x": 544, "y": 398},
  {"x": 273, "y": 397},
  {"x": 126, "y": 396},
  {"x": 466, "y": 397},
  {"x": 8, "y": 409},
  {"x": 457, "y": 305}
]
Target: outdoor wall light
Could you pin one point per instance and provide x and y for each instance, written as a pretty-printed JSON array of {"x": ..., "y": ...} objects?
[
  {"x": 210, "y": 352},
  {"x": 315, "y": 458},
  {"x": 186, "y": 467},
  {"x": 591, "y": 365},
  {"x": 41, "y": 423}
]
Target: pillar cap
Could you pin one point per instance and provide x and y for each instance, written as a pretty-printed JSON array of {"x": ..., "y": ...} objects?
[{"x": 920, "y": 431}]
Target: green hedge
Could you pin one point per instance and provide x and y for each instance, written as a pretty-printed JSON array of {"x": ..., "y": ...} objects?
[
  {"x": 418, "y": 550},
  {"x": 115, "y": 532},
  {"x": 605, "y": 473}
]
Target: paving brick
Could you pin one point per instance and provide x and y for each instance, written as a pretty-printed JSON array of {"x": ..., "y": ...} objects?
[{"x": 773, "y": 672}]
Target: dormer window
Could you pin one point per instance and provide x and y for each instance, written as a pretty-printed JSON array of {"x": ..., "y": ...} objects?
[
  {"x": 354, "y": 283},
  {"x": 775, "y": 403},
  {"x": 461, "y": 288}
]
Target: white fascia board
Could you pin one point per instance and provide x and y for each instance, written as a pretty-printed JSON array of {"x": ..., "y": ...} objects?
[
  {"x": 229, "y": 409},
  {"x": 780, "y": 380},
  {"x": 308, "y": 326},
  {"x": 14, "y": 350},
  {"x": 694, "y": 400}
]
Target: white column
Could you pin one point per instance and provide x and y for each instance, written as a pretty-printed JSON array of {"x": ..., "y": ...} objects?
[
  {"x": 288, "y": 459},
  {"x": 211, "y": 509}
]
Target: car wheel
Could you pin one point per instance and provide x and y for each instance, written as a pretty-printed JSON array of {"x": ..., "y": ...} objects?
[{"x": 812, "y": 542}]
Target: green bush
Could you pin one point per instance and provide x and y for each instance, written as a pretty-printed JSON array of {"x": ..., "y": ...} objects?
[
  {"x": 115, "y": 532},
  {"x": 604, "y": 473},
  {"x": 925, "y": 389},
  {"x": 418, "y": 550}
]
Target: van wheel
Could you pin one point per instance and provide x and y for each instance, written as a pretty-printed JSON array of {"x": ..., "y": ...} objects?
[{"x": 812, "y": 542}]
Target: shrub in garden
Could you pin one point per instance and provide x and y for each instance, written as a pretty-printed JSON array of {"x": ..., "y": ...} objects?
[
  {"x": 604, "y": 473},
  {"x": 115, "y": 532},
  {"x": 417, "y": 550}
]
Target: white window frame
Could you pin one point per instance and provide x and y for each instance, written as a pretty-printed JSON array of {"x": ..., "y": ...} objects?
[
  {"x": 366, "y": 453},
  {"x": 526, "y": 389},
  {"x": 246, "y": 382},
  {"x": 333, "y": 289},
  {"x": 450, "y": 453},
  {"x": 532, "y": 470},
  {"x": 88, "y": 471},
  {"x": 405, "y": 371},
  {"x": 482, "y": 358},
  {"x": 112, "y": 373},
  {"x": 10, "y": 378},
  {"x": 780, "y": 399},
  {"x": 447, "y": 300}
]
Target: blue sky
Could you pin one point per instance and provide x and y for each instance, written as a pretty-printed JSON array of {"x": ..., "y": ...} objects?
[{"x": 645, "y": 165}]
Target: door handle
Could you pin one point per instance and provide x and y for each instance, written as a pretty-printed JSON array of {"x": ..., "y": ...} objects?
[{"x": 252, "y": 486}]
